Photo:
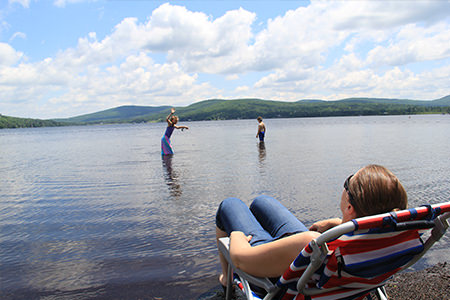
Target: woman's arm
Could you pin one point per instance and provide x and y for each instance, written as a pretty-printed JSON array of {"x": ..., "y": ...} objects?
[
  {"x": 270, "y": 259},
  {"x": 180, "y": 127},
  {"x": 172, "y": 111}
]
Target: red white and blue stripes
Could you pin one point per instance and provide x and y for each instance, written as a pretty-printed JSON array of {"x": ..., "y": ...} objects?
[{"x": 364, "y": 259}]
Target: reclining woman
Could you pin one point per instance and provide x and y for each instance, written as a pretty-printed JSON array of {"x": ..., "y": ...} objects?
[{"x": 266, "y": 238}]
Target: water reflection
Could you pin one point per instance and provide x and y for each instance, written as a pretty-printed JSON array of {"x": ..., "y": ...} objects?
[
  {"x": 171, "y": 177},
  {"x": 262, "y": 152},
  {"x": 88, "y": 219}
]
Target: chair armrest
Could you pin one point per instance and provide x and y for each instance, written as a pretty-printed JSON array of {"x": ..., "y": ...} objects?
[{"x": 263, "y": 282}]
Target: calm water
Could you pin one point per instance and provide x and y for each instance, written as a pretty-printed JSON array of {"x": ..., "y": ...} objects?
[{"x": 94, "y": 212}]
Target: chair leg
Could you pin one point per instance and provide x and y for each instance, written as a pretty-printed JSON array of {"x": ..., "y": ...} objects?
[
  {"x": 381, "y": 293},
  {"x": 229, "y": 282}
]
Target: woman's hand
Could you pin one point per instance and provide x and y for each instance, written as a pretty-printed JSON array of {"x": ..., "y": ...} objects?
[
  {"x": 172, "y": 110},
  {"x": 324, "y": 225},
  {"x": 240, "y": 236}
]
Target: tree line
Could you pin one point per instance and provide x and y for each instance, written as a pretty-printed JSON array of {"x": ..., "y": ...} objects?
[{"x": 217, "y": 109}]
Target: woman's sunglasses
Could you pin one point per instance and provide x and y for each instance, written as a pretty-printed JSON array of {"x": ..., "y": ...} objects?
[{"x": 350, "y": 196}]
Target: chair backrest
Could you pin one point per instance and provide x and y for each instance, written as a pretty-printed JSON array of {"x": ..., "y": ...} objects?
[{"x": 353, "y": 258}]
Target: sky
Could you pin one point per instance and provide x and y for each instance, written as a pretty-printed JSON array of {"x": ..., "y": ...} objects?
[{"x": 64, "y": 58}]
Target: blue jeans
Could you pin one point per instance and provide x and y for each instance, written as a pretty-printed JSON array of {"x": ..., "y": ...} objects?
[{"x": 266, "y": 219}]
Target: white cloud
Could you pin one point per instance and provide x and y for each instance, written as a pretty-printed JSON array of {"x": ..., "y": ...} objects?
[
  {"x": 89, "y": 51},
  {"x": 99, "y": 74},
  {"x": 63, "y": 3},
  {"x": 197, "y": 42},
  {"x": 242, "y": 89},
  {"x": 374, "y": 37},
  {"x": 414, "y": 44},
  {"x": 18, "y": 35},
  {"x": 384, "y": 15},
  {"x": 327, "y": 50},
  {"x": 300, "y": 36},
  {"x": 137, "y": 80},
  {"x": 8, "y": 55},
  {"x": 24, "y": 3},
  {"x": 232, "y": 77}
]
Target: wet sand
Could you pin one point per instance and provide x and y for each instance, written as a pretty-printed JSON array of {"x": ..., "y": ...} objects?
[{"x": 429, "y": 284}]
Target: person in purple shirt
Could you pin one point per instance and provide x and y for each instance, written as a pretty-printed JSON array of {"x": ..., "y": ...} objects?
[{"x": 172, "y": 120}]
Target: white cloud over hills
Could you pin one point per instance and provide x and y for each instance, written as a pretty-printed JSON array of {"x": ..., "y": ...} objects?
[{"x": 326, "y": 50}]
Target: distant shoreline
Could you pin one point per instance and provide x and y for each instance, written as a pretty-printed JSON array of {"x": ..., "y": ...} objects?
[
  {"x": 17, "y": 123},
  {"x": 241, "y": 109}
]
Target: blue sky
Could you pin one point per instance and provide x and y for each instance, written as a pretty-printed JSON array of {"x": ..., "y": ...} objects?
[{"x": 63, "y": 58}]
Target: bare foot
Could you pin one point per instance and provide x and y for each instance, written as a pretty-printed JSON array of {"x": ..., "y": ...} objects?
[{"x": 222, "y": 280}]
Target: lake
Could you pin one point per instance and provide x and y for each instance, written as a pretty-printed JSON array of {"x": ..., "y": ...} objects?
[{"x": 94, "y": 212}]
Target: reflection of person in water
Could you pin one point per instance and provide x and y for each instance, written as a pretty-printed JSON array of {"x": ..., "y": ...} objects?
[
  {"x": 171, "y": 177},
  {"x": 262, "y": 152},
  {"x": 172, "y": 120}
]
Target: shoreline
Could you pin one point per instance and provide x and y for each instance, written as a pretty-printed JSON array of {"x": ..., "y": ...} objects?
[
  {"x": 427, "y": 284},
  {"x": 430, "y": 283}
]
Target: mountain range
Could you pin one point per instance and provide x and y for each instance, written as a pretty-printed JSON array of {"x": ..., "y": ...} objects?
[{"x": 219, "y": 109}]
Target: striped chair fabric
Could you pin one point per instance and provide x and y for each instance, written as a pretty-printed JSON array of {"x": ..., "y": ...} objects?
[{"x": 362, "y": 260}]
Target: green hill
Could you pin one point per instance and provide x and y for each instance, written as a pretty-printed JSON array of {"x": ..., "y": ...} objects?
[
  {"x": 444, "y": 101},
  {"x": 119, "y": 114},
  {"x": 219, "y": 109},
  {"x": 251, "y": 108},
  {"x": 13, "y": 122}
]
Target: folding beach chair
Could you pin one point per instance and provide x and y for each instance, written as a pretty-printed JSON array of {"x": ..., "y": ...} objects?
[{"x": 353, "y": 260}]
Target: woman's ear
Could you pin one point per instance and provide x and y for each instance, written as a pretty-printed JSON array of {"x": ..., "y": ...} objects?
[
  {"x": 348, "y": 212},
  {"x": 351, "y": 211}
]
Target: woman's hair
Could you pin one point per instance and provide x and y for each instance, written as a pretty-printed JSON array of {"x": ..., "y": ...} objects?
[
  {"x": 377, "y": 190},
  {"x": 174, "y": 120}
]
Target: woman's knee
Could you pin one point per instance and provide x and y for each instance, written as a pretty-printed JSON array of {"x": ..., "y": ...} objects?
[
  {"x": 261, "y": 202},
  {"x": 226, "y": 208},
  {"x": 231, "y": 201}
]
